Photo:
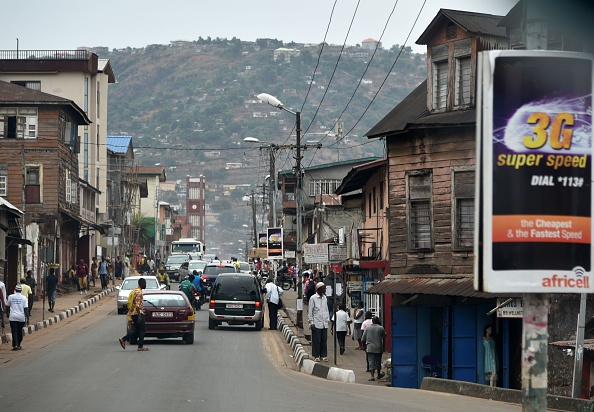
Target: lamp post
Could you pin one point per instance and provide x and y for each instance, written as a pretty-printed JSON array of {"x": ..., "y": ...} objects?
[{"x": 273, "y": 101}]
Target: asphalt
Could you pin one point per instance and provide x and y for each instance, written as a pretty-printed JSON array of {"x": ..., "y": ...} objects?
[
  {"x": 351, "y": 360},
  {"x": 68, "y": 302}
]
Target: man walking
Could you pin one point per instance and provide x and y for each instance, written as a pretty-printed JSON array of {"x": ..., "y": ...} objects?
[
  {"x": 341, "y": 322},
  {"x": 373, "y": 337},
  {"x": 273, "y": 294},
  {"x": 82, "y": 273},
  {"x": 318, "y": 316},
  {"x": 18, "y": 315},
  {"x": 51, "y": 287},
  {"x": 126, "y": 267},
  {"x": 30, "y": 280},
  {"x": 27, "y": 293},
  {"x": 136, "y": 316},
  {"x": 103, "y": 272}
]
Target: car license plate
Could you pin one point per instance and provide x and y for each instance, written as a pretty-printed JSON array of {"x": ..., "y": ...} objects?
[
  {"x": 234, "y": 306},
  {"x": 162, "y": 314}
]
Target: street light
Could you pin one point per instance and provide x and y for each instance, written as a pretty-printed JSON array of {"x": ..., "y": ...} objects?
[{"x": 273, "y": 101}]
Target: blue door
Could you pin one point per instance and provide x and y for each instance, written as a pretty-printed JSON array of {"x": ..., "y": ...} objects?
[
  {"x": 404, "y": 347},
  {"x": 464, "y": 343}
]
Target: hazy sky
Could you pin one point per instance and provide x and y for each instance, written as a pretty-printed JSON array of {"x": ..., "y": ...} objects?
[{"x": 68, "y": 24}]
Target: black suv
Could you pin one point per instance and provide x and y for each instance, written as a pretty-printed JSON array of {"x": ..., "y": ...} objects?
[
  {"x": 212, "y": 270},
  {"x": 236, "y": 298}
]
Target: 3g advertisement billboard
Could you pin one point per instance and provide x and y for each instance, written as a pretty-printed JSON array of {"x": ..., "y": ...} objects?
[{"x": 534, "y": 157}]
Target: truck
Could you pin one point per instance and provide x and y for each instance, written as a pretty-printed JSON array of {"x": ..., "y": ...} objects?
[{"x": 190, "y": 246}]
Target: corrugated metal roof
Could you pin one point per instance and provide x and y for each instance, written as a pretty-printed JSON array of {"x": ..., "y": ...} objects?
[
  {"x": 450, "y": 286},
  {"x": 118, "y": 144},
  {"x": 588, "y": 344},
  {"x": 476, "y": 23},
  {"x": 5, "y": 203},
  {"x": 412, "y": 113},
  {"x": 358, "y": 175}
]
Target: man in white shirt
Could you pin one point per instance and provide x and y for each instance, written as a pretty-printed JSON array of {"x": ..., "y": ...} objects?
[
  {"x": 273, "y": 294},
  {"x": 318, "y": 317},
  {"x": 4, "y": 295},
  {"x": 18, "y": 305},
  {"x": 341, "y": 322}
]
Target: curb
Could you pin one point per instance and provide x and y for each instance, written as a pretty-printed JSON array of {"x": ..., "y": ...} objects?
[
  {"x": 28, "y": 330},
  {"x": 308, "y": 366}
]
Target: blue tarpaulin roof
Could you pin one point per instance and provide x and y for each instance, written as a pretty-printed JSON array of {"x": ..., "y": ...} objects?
[{"x": 118, "y": 144}]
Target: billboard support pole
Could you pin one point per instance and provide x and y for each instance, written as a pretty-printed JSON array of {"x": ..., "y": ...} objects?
[{"x": 534, "y": 352}]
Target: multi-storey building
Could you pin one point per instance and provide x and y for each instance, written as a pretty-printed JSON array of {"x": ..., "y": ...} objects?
[
  {"x": 39, "y": 167},
  {"x": 195, "y": 206}
]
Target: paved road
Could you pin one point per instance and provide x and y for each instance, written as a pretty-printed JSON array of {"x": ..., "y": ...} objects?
[{"x": 79, "y": 365}]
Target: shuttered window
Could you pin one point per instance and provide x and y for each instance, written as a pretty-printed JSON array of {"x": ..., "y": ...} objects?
[
  {"x": 463, "y": 227},
  {"x": 420, "y": 227},
  {"x": 463, "y": 81},
  {"x": 440, "y": 84}
]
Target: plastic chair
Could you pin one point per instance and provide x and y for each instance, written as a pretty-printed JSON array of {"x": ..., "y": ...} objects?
[{"x": 430, "y": 364}]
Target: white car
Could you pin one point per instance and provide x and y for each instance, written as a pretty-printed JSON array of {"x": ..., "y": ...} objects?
[
  {"x": 188, "y": 268},
  {"x": 131, "y": 283}
]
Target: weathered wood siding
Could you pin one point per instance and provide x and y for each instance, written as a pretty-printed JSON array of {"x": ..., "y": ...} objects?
[{"x": 439, "y": 150}]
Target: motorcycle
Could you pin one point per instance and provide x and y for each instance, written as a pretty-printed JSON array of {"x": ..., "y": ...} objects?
[
  {"x": 284, "y": 281},
  {"x": 199, "y": 300},
  {"x": 263, "y": 278}
]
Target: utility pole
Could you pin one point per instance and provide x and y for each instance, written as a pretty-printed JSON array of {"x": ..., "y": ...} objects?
[
  {"x": 298, "y": 251},
  {"x": 254, "y": 222},
  {"x": 271, "y": 190}
]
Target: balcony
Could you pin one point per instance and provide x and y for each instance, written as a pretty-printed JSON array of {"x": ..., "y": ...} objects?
[
  {"x": 48, "y": 60},
  {"x": 370, "y": 243}
]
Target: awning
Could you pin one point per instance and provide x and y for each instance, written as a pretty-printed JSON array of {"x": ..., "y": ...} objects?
[
  {"x": 83, "y": 222},
  {"x": 415, "y": 285},
  {"x": 588, "y": 344},
  {"x": 17, "y": 240}
]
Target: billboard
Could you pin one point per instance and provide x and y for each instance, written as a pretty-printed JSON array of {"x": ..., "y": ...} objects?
[
  {"x": 262, "y": 240},
  {"x": 275, "y": 242},
  {"x": 534, "y": 164},
  {"x": 315, "y": 253}
]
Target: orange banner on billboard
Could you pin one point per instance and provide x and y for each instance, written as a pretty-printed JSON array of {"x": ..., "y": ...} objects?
[{"x": 533, "y": 228}]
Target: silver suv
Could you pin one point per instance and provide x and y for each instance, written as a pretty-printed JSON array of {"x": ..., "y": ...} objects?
[{"x": 236, "y": 299}]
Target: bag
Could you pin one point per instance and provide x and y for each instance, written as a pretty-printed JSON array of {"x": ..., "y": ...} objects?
[
  {"x": 280, "y": 304},
  {"x": 131, "y": 302}
]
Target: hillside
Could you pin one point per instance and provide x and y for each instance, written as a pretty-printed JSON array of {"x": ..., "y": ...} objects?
[{"x": 189, "y": 108}]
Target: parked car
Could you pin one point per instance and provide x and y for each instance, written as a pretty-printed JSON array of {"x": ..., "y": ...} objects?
[
  {"x": 212, "y": 270},
  {"x": 168, "y": 314},
  {"x": 131, "y": 283},
  {"x": 173, "y": 263},
  {"x": 244, "y": 267},
  {"x": 236, "y": 299},
  {"x": 187, "y": 268}
]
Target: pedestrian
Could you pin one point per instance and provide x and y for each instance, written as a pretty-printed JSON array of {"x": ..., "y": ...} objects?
[
  {"x": 82, "y": 273},
  {"x": 94, "y": 270},
  {"x": 136, "y": 316},
  {"x": 4, "y": 295},
  {"x": 490, "y": 356},
  {"x": 358, "y": 317},
  {"x": 30, "y": 280},
  {"x": 273, "y": 294},
  {"x": 373, "y": 336},
  {"x": 157, "y": 258},
  {"x": 368, "y": 321},
  {"x": 310, "y": 286},
  {"x": 341, "y": 322},
  {"x": 51, "y": 287},
  {"x": 27, "y": 293},
  {"x": 118, "y": 268},
  {"x": 19, "y": 314},
  {"x": 103, "y": 272},
  {"x": 318, "y": 317},
  {"x": 2, "y": 310},
  {"x": 126, "y": 267}
]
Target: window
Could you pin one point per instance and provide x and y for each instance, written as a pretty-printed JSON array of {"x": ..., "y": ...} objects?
[
  {"x": 97, "y": 144},
  {"x": 32, "y": 184},
  {"x": 33, "y": 85},
  {"x": 420, "y": 230},
  {"x": 74, "y": 191},
  {"x": 369, "y": 204},
  {"x": 374, "y": 201},
  {"x": 68, "y": 190},
  {"x": 86, "y": 155},
  {"x": 323, "y": 187},
  {"x": 3, "y": 184},
  {"x": 18, "y": 123},
  {"x": 462, "y": 81},
  {"x": 86, "y": 98},
  {"x": 98, "y": 100},
  {"x": 440, "y": 84},
  {"x": 463, "y": 230}
]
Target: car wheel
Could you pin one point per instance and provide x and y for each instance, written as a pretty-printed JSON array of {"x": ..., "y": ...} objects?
[
  {"x": 212, "y": 324},
  {"x": 120, "y": 311},
  {"x": 189, "y": 338},
  {"x": 259, "y": 324}
]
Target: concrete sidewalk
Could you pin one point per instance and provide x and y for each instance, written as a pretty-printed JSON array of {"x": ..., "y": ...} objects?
[
  {"x": 352, "y": 359},
  {"x": 68, "y": 301}
]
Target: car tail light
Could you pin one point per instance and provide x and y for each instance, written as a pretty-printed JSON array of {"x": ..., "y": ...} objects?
[
  {"x": 211, "y": 304},
  {"x": 258, "y": 304}
]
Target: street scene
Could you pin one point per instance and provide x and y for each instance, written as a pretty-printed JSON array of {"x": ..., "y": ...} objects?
[{"x": 220, "y": 210}]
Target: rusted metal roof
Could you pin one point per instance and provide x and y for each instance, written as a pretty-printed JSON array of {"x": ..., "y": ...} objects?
[
  {"x": 358, "y": 176},
  {"x": 588, "y": 344},
  {"x": 476, "y": 23},
  {"x": 411, "y": 113},
  {"x": 425, "y": 285}
]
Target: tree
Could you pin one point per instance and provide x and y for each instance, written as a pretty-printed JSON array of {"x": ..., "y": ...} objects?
[{"x": 143, "y": 230}]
